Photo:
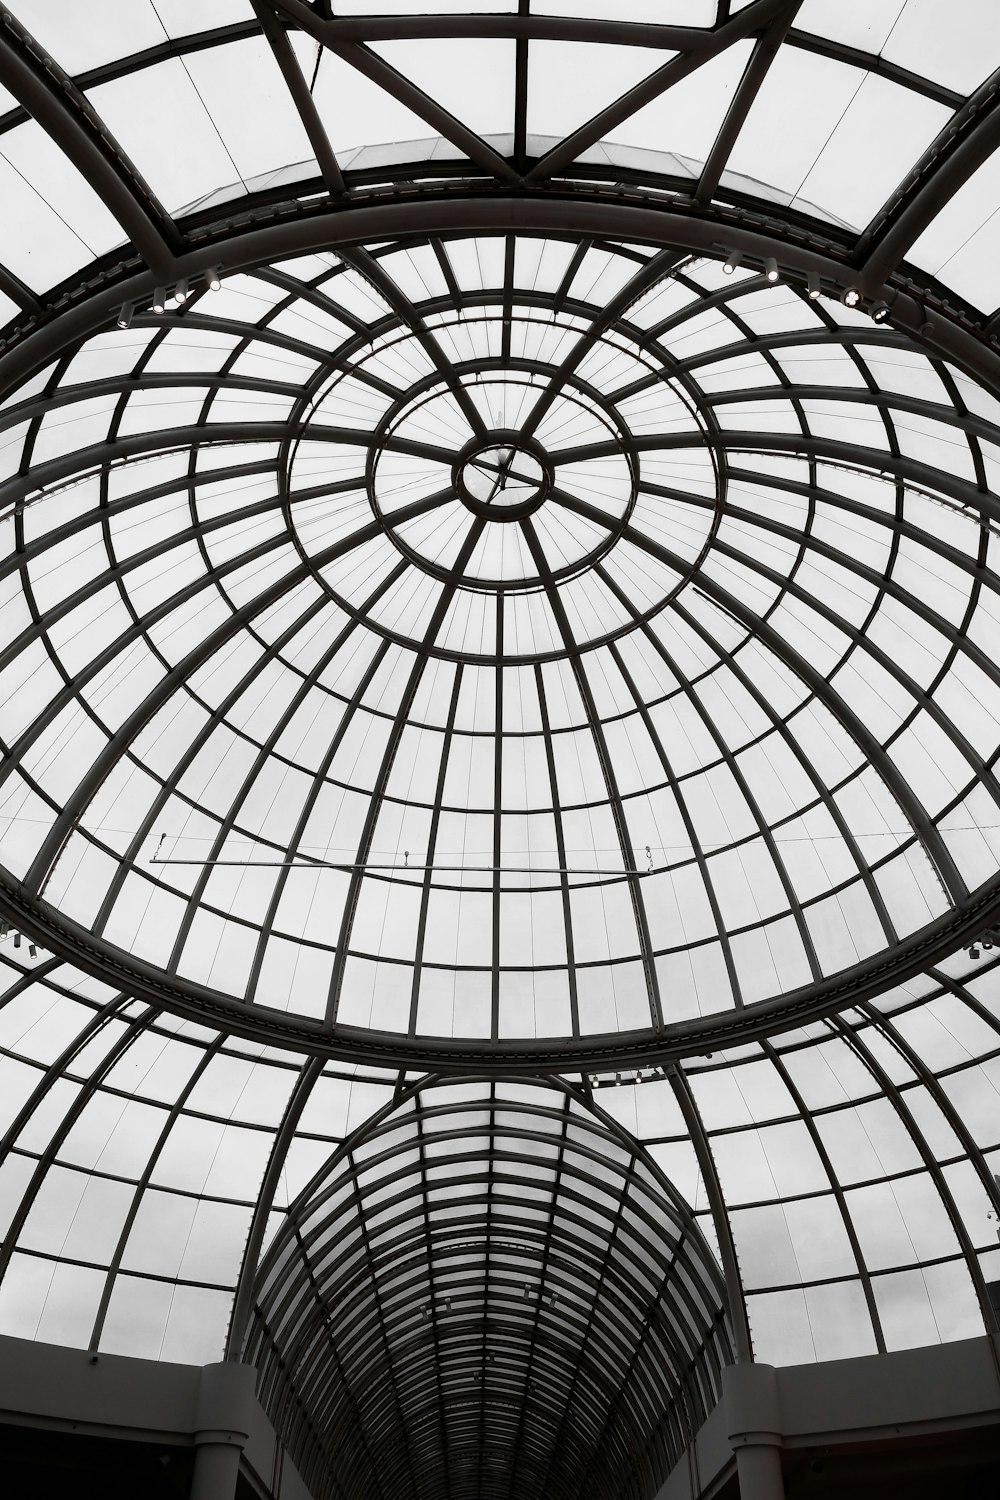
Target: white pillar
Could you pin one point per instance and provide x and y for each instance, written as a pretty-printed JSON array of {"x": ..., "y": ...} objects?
[
  {"x": 222, "y": 1426},
  {"x": 753, "y": 1425}
]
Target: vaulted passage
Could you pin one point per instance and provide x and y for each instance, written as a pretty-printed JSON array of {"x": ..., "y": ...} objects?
[{"x": 490, "y": 1291}]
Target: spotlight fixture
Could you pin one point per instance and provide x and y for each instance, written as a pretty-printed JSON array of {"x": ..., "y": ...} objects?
[
  {"x": 32, "y": 951},
  {"x": 974, "y": 951},
  {"x": 17, "y": 940},
  {"x": 771, "y": 268},
  {"x": 851, "y": 296},
  {"x": 812, "y": 282},
  {"x": 125, "y": 312},
  {"x": 179, "y": 295},
  {"x": 733, "y": 260},
  {"x": 213, "y": 278},
  {"x": 879, "y": 312},
  {"x": 159, "y": 300}
]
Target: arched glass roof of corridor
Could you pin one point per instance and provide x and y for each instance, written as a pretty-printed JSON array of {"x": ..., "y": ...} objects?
[{"x": 478, "y": 599}]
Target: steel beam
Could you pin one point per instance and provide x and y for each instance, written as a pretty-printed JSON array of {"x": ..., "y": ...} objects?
[{"x": 60, "y": 108}]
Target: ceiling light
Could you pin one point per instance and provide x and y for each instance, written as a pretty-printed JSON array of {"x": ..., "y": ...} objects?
[
  {"x": 812, "y": 282},
  {"x": 735, "y": 256},
  {"x": 213, "y": 278},
  {"x": 159, "y": 300},
  {"x": 974, "y": 951},
  {"x": 124, "y": 318},
  {"x": 851, "y": 296},
  {"x": 771, "y": 268},
  {"x": 879, "y": 312},
  {"x": 179, "y": 295}
]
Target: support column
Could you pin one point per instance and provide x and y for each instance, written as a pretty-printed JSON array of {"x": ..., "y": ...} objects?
[
  {"x": 222, "y": 1426},
  {"x": 753, "y": 1425}
]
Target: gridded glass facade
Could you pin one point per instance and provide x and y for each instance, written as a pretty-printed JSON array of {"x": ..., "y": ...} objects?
[{"x": 499, "y": 708}]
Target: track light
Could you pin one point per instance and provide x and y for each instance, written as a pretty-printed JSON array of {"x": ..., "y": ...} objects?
[
  {"x": 735, "y": 256},
  {"x": 213, "y": 278},
  {"x": 179, "y": 295},
  {"x": 812, "y": 282},
  {"x": 851, "y": 296},
  {"x": 32, "y": 951},
  {"x": 17, "y": 940},
  {"x": 879, "y": 312},
  {"x": 974, "y": 951},
  {"x": 125, "y": 312},
  {"x": 159, "y": 300},
  {"x": 771, "y": 268}
]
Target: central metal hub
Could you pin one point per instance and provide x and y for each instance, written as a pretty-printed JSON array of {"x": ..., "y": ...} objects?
[{"x": 503, "y": 476}]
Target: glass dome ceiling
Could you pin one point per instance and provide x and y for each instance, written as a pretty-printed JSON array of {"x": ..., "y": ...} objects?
[{"x": 500, "y": 574}]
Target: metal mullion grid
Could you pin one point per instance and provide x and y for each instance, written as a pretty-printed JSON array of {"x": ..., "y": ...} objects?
[
  {"x": 729, "y": 760},
  {"x": 368, "y": 267},
  {"x": 422, "y": 653},
  {"x": 922, "y": 697},
  {"x": 848, "y": 1278},
  {"x": 871, "y": 749},
  {"x": 840, "y": 335},
  {"x": 117, "y": 573},
  {"x": 304, "y": 1400},
  {"x": 427, "y": 881},
  {"x": 318, "y": 1366},
  {"x": 890, "y": 1091},
  {"x": 932, "y": 1083},
  {"x": 57, "y": 1069},
  {"x": 806, "y": 1116},
  {"x": 488, "y": 1273},
  {"x": 613, "y": 1233},
  {"x": 656, "y": 268},
  {"x": 312, "y": 291},
  {"x": 640, "y": 1344},
  {"x": 120, "y": 506},
  {"x": 614, "y": 801},
  {"x": 133, "y": 1029},
  {"x": 142, "y": 1183},
  {"x": 441, "y": 1422},
  {"x": 556, "y": 1177},
  {"x": 284, "y": 1136},
  {"x": 111, "y": 652},
  {"x": 213, "y": 718},
  {"x": 698, "y": 1136},
  {"x": 248, "y": 334},
  {"x": 824, "y": 794},
  {"x": 886, "y": 402},
  {"x": 230, "y": 820},
  {"x": 564, "y": 886},
  {"x": 689, "y": 828},
  {"x": 163, "y": 690},
  {"x": 961, "y": 561}
]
